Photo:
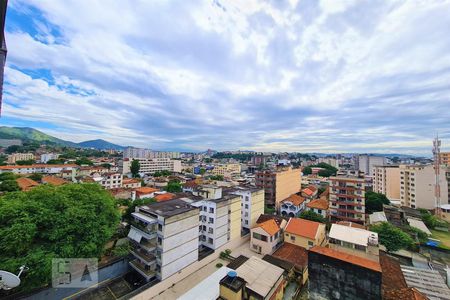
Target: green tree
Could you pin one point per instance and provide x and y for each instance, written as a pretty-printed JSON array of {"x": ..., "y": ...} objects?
[
  {"x": 3, "y": 160},
  {"x": 9, "y": 186},
  {"x": 36, "y": 177},
  {"x": 106, "y": 165},
  {"x": 216, "y": 177},
  {"x": 392, "y": 237},
  {"x": 132, "y": 207},
  {"x": 58, "y": 161},
  {"x": 375, "y": 201},
  {"x": 430, "y": 220},
  {"x": 8, "y": 176},
  {"x": 25, "y": 162},
  {"x": 84, "y": 161},
  {"x": 73, "y": 220},
  {"x": 134, "y": 168},
  {"x": 312, "y": 216},
  {"x": 202, "y": 171},
  {"x": 307, "y": 170},
  {"x": 174, "y": 186}
]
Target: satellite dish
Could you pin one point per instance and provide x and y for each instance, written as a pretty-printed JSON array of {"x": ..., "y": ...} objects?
[{"x": 8, "y": 280}]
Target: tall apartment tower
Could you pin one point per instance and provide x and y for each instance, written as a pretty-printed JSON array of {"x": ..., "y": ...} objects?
[
  {"x": 417, "y": 184},
  {"x": 3, "y": 50},
  {"x": 387, "y": 182},
  {"x": 347, "y": 199},
  {"x": 445, "y": 158},
  {"x": 279, "y": 184},
  {"x": 366, "y": 163}
]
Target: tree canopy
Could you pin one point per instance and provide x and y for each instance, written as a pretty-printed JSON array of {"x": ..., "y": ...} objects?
[
  {"x": 36, "y": 177},
  {"x": 25, "y": 162},
  {"x": 69, "y": 221},
  {"x": 392, "y": 237},
  {"x": 134, "y": 168},
  {"x": 9, "y": 185},
  {"x": 162, "y": 173},
  {"x": 174, "y": 186},
  {"x": 216, "y": 177},
  {"x": 84, "y": 161},
  {"x": 327, "y": 171},
  {"x": 312, "y": 216},
  {"x": 375, "y": 201}
]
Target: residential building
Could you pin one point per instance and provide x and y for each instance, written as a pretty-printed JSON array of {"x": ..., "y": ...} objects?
[
  {"x": 226, "y": 170},
  {"x": 304, "y": 233},
  {"x": 38, "y": 168},
  {"x": 292, "y": 206},
  {"x": 3, "y": 6},
  {"x": 330, "y": 161},
  {"x": 262, "y": 281},
  {"x": 319, "y": 206},
  {"x": 148, "y": 165},
  {"x": 266, "y": 237},
  {"x": 164, "y": 236},
  {"x": 417, "y": 186},
  {"x": 26, "y": 184},
  {"x": 15, "y": 157},
  {"x": 445, "y": 158},
  {"x": 252, "y": 205},
  {"x": 347, "y": 199},
  {"x": 164, "y": 154},
  {"x": 334, "y": 274},
  {"x": 131, "y": 183},
  {"x": 279, "y": 184},
  {"x": 310, "y": 192},
  {"x": 293, "y": 254},
  {"x": 45, "y": 157},
  {"x": 53, "y": 180},
  {"x": 131, "y": 152},
  {"x": 108, "y": 180},
  {"x": 366, "y": 163},
  {"x": 386, "y": 180},
  {"x": 355, "y": 241}
]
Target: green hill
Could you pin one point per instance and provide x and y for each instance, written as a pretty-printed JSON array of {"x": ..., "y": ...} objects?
[{"x": 27, "y": 134}]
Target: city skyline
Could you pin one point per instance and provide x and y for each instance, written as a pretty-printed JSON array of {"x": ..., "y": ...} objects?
[{"x": 293, "y": 76}]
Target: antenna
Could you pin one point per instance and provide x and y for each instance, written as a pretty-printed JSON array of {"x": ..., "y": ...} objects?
[
  {"x": 437, "y": 167},
  {"x": 9, "y": 280}
]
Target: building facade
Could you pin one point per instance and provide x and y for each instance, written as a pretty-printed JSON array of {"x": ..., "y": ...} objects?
[
  {"x": 445, "y": 158},
  {"x": 386, "y": 180},
  {"x": 252, "y": 206},
  {"x": 279, "y": 184},
  {"x": 304, "y": 233},
  {"x": 417, "y": 186},
  {"x": 347, "y": 199},
  {"x": 148, "y": 165},
  {"x": 366, "y": 163},
  {"x": 15, "y": 157}
]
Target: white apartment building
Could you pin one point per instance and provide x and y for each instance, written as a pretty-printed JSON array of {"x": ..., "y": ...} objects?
[
  {"x": 366, "y": 163},
  {"x": 252, "y": 206},
  {"x": 148, "y": 165},
  {"x": 165, "y": 237},
  {"x": 417, "y": 185},
  {"x": 13, "y": 158},
  {"x": 386, "y": 180},
  {"x": 48, "y": 156},
  {"x": 330, "y": 161},
  {"x": 131, "y": 152},
  {"x": 38, "y": 168},
  {"x": 164, "y": 154},
  {"x": 108, "y": 180}
]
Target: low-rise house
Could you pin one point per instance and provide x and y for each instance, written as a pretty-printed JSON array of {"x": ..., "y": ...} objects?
[
  {"x": 319, "y": 206},
  {"x": 143, "y": 193},
  {"x": 131, "y": 183},
  {"x": 355, "y": 241},
  {"x": 53, "y": 180},
  {"x": 304, "y": 233},
  {"x": 266, "y": 237},
  {"x": 38, "y": 168},
  {"x": 334, "y": 274},
  {"x": 292, "y": 206},
  {"x": 26, "y": 184},
  {"x": 108, "y": 180},
  {"x": 310, "y": 192},
  {"x": 163, "y": 196},
  {"x": 296, "y": 255}
]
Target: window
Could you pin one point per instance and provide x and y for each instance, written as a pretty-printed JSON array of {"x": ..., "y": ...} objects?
[
  {"x": 246, "y": 214},
  {"x": 210, "y": 230},
  {"x": 310, "y": 244},
  {"x": 246, "y": 205},
  {"x": 292, "y": 238},
  {"x": 210, "y": 240},
  {"x": 200, "y": 228},
  {"x": 246, "y": 198},
  {"x": 159, "y": 227},
  {"x": 246, "y": 222},
  {"x": 159, "y": 241},
  {"x": 320, "y": 211},
  {"x": 360, "y": 247},
  {"x": 211, "y": 210},
  {"x": 260, "y": 237},
  {"x": 211, "y": 220}
]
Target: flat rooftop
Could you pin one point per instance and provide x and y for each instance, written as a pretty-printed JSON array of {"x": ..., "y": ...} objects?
[
  {"x": 168, "y": 208},
  {"x": 351, "y": 234}
]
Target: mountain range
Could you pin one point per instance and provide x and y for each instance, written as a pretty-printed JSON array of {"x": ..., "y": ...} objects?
[{"x": 27, "y": 134}]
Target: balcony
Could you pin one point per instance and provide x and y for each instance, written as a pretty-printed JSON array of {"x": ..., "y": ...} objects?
[
  {"x": 142, "y": 269},
  {"x": 145, "y": 256}
]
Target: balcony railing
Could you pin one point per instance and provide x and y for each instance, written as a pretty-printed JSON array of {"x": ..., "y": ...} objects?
[
  {"x": 142, "y": 269},
  {"x": 144, "y": 255}
]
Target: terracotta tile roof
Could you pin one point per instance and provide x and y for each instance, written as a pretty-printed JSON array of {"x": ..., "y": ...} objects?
[
  {"x": 164, "y": 197},
  {"x": 269, "y": 226},
  {"x": 392, "y": 277},
  {"x": 295, "y": 199},
  {"x": 307, "y": 191},
  {"x": 351, "y": 224},
  {"x": 404, "y": 294},
  {"x": 353, "y": 259},
  {"x": 145, "y": 190},
  {"x": 318, "y": 204},
  {"x": 130, "y": 180},
  {"x": 302, "y": 227},
  {"x": 53, "y": 180},
  {"x": 312, "y": 188},
  {"x": 190, "y": 183},
  {"x": 37, "y": 166},
  {"x": 263, "y": 218},
  {"x": 25, "y": 183},
  {"x": 294, "y": 254}
]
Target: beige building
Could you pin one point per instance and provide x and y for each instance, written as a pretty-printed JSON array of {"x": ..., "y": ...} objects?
[
  {"x": 386, "y": 181},
  {"x": 266, "y": 237},
  {"x": 347, "y": 199},
  {"x": 417, "y": 184},
  {"x": 304, "y": 233},
  {"x": 445, "y": 158},
  {"x": 13, "y": 158},
  {"x": 148, "y": 165},
  {"x": 226, "y": 170},
  {"x": 279, "y": 185},
  {"x": 252, "y": 207}
]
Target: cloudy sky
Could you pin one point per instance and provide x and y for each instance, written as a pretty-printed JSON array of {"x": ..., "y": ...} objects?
[{"x": 307, "y": 76}]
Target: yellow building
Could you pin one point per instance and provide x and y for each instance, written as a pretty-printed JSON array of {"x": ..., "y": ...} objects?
[
  {"x": 226, "y": 170},
  {"x": 386, "y": 181},
  {"x": 13, "y": 158},
  {"x": 445, "y": 158},
  {"x": 234, "y": 209},
  {"x": 304, "y": 233}
]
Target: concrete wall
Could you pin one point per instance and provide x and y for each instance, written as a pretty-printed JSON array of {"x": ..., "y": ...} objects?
[
  {"x": 287, "y": 183},
  {"x": 257, "y": 207},
  {"x": 335, "y": 279},
  {"x": 235, "y": 217}
]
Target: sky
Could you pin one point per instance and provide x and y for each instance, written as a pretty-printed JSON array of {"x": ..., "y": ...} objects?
[{"x": 297, "y": 76}]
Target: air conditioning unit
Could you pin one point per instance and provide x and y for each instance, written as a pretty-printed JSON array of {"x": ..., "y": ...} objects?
[{"x": 373, "y": 240}]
